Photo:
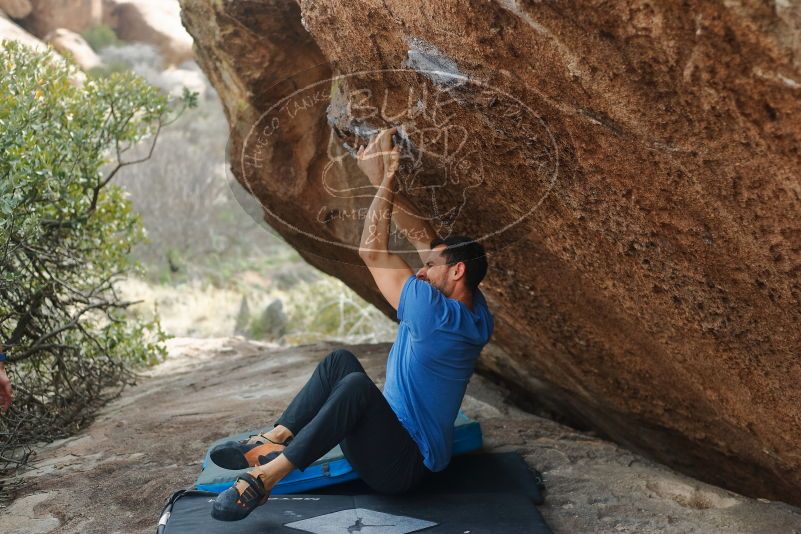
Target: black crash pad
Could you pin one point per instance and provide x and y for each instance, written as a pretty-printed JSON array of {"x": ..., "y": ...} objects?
[
  {"x": 477, "y": 493},
  {"x": 477, "y": 513},
  {"x": 470, "y": 473}
]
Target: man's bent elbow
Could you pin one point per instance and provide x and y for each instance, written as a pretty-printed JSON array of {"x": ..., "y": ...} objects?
[
  {"x": 373, "y": 258},
  {"x": 367, "y": 255}
]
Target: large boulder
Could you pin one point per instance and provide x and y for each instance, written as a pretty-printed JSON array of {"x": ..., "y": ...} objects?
[
  {"x": 69, "y": 43},
  {"x": 156, "y": 22},
  {"x": 76, "y": 15},
  {"x": 16, "y": 9},
  {"x": 632, "y": 167},
  {"x": 12, "y": 32}
]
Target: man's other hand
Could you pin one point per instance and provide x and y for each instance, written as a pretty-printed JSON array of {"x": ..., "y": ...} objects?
[
  {"x": 371, "y": 157},
  {"x": 5, "y": 388}
]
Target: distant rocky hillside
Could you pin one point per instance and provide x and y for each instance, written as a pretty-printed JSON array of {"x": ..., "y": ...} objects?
[
  {"x": 155, "y": 22},
  {"x": 632, "y": 166}
]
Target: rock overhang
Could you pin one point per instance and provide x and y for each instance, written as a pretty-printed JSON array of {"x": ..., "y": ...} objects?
[{"x": 653, "y": 292}]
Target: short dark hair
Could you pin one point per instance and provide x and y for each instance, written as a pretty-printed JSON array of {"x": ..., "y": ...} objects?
[{"x": 462, "y": 248}]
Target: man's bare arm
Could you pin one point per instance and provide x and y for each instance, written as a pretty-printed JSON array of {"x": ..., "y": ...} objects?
[
  {"x": 375, "y": 235},
  {"x": 413, "y": 226},
  {"x": 408, "y": 222},
  {"x": 389, "y": 270},
  {"x": 5, "y": 384},
  {"x": 5, "y": 388}
]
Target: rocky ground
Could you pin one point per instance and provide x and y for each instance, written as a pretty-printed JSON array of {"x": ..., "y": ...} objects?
[{"x": 114, "y": 476}]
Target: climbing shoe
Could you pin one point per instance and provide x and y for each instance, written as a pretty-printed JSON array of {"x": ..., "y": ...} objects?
[
  {"x": 238, "y": 501},
  {"x": 238, "y": 455}
]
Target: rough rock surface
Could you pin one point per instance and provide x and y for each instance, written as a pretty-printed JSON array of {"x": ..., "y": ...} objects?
[
  {"x": 151, "y": 440},
  {"x": 155, "y": 22},
  {"x": 632, "y": 166},
  {"x": 16, "y": 9},
  {"x": 12, "y": 32},
  {"x": 75, "y": 15},
  {"x": 69, "y": 43}
]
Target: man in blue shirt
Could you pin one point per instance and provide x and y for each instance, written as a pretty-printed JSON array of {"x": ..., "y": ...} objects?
[{"x": 392, "y": 439}]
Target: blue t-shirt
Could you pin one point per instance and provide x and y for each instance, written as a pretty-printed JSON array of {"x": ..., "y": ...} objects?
[{"x": 430, "y": 363}]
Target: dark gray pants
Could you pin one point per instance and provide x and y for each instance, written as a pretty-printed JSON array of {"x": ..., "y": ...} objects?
[{"x": 341, "y": 405}]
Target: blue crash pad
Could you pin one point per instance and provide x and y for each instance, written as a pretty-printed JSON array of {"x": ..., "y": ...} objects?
[{"x": 331, "y": 469}]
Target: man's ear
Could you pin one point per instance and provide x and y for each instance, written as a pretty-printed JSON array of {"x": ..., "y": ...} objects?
[{"x": 461, "y": 270}]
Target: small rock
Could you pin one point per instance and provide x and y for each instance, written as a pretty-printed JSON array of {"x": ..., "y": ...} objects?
[
  {"x": 242, "y": 318},
  {"x": 70, "y": 43},
  {"x": 271, "y": 324}
]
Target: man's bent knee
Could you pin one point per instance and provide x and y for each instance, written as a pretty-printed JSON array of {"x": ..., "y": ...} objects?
[
  {"x": 358, "y": 383},
  {"x": 341, "y": 356}
]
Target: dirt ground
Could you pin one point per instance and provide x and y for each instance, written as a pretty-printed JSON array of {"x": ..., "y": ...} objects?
[{"x": 115, "y": 476}]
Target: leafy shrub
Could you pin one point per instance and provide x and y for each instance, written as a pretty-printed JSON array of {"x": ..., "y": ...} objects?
[
  {"x": 65, "y": 237},
  {"x": 141, "y": 58},
  {"x": 223, "y": 237},
  {"x": 100, "y": 37},
  {"x": 328, "y": 309}
]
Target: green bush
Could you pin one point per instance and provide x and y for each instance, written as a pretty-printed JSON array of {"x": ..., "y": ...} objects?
[
  {"x": 328, "y": 309},
  {"x": 100, "y": 37},
  {"x": 65, "y": 237}
]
